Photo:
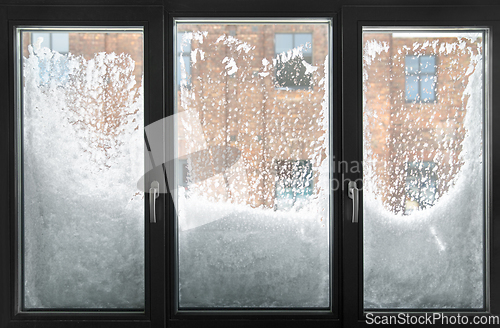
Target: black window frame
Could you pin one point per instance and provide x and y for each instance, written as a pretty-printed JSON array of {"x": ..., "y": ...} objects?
[{"x": 346, "y": 113}]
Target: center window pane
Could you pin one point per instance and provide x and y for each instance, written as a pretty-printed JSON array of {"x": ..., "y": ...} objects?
[{"x": 252, "y": 186}]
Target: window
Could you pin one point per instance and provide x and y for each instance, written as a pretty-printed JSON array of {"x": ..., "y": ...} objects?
[
  {"x": 312, "y": 184},
  {"x": 53, "y": 67},
  {"x": 420, "y": 83},
  {"x": 294, "y": 56},
  {"x": 55, "y": 41},
  {"x": 294, "y": 183},
  {"x": 412, "y": 152},
  {"x": 183, "y": 174},
  {"x": 252, "y": 214},
  {"x": 421, "y": 185}
]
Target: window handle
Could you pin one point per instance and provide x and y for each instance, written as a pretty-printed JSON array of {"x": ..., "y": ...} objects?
[
  {"x": 154, "y": 192},
  {"x": 353, "y": 193}
]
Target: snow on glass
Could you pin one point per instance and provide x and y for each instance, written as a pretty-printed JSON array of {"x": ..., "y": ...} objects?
[
  {"x": 423, "y": 155},
  {"x": 256, "y": 235},
  {"x": 83, "y": 222}
]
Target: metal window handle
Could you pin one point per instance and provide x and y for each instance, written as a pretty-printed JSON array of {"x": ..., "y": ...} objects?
[
  {"x": 154, "y": 192},
  {"x": 353, "y": 193}
]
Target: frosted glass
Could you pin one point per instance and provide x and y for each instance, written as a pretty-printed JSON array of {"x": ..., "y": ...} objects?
[
  {"x": 411, "y": 87},
  {"x": 256, "y": 234},
  {"x": 427, "y": 64},
  {"x": 82, "y": 117},
  {"x": 283, "y": 42},
  {"x": 427, "y": 87},
  {"x": 423, "y": 195}
]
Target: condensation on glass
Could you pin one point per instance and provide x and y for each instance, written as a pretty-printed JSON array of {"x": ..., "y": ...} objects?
[
  {"x": 423, "y": 153},
  {"x": 252, "y": 180},
  {"x": 80, "y": 140}
]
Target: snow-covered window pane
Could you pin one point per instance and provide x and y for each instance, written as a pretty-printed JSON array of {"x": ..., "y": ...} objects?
[
  {"x": 57, "y": 41},
  {"x": 421, "y": 185},
  {"x": 82, "y": 153},
  {"x": 254, "y": 216},
  {"x": 183, "y": 60},
  {"x": 423, "y": 201}
]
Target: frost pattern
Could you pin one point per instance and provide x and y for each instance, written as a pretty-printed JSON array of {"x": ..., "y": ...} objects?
[
  {"x": 235, "y": 249},
  {"x": 434, "y": 257},
  {"x": 82, "y": 157}
]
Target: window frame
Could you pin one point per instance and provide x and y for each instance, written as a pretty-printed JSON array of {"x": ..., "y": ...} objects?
[
  {"x": 418, "y": 74},
  {"x": 284, "y": 65}
]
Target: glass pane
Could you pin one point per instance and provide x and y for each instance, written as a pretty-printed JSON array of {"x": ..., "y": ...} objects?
[
  {"x": 255, "y": 232},
  {"x": 304, "y": 40},
  {"x": 183, "y": 62},
  {"x": 81, "y": 136},
  {"x": 427, "y": 64},
  {"x": 284, "y": 42},
  {"x": 411, "y": 64},
  {"x": 423, "y": 197}
]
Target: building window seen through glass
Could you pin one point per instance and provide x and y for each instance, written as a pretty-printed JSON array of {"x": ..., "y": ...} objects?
[
  {"x": 291, "y": 68},
  {"x": 55, "y": 41}
]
